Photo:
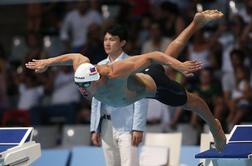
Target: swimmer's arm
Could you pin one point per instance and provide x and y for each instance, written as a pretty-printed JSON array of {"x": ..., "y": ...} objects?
[
  {"x": 187, "y": 67},
  {"x": 104, "y": 69},
  {"x": 200, "y": 19},
  {"x": 41, "y": 65},
  {"x": 137, "y": 63}
]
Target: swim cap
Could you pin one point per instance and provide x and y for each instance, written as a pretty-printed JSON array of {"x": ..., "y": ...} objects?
[{"x": 86, "y": 72}]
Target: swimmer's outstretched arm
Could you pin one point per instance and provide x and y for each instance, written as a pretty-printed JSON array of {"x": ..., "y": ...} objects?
[
  {"x": 41, "y": 65},
  {"x": 200, "y": 19},
  {"x": 136, "y": 63}
]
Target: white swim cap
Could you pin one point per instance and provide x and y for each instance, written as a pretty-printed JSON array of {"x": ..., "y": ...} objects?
[{"x": 86, "y": 72}]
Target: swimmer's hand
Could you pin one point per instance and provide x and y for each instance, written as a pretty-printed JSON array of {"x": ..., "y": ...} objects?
[
  {"x": 187, "y": 68},
  {"x": 38, "y": 66},
  {"x": 202, "y": 18}
]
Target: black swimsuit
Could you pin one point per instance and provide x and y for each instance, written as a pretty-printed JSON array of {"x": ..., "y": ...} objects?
[{"x": 168, "y": 91}]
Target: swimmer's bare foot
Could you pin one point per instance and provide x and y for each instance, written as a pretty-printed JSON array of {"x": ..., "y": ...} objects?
[
  {"x": 202, "y": 18},
  {"x": 219, "y": 137}
]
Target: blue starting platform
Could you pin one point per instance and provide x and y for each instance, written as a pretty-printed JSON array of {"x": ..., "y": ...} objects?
[
  {"x": 237, "y": 151},
  {"x": 17, "y": 147}
]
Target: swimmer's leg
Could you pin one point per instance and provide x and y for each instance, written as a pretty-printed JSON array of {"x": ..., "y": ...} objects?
[{"x": 196, "y": 104}]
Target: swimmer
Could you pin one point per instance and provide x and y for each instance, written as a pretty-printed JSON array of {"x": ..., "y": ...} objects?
[{"x": 125, "y": 82}]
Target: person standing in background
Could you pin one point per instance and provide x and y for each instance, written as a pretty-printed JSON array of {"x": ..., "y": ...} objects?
[
  {"x": 118, "y": 129},
  {"x": 76, "y": 22}
]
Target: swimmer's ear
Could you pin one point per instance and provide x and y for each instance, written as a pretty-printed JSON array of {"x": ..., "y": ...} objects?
[{"x": 123, "y": 43}]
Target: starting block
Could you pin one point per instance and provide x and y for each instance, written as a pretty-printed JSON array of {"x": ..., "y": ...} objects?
[
  {"x": 17, "y": 147},
  {"x": 237, "y": 151}
]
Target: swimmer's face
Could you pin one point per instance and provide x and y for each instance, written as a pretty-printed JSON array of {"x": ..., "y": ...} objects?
[
  {"x": 84, "y": 84},
  {"x": 85, "y": 88},
  {"x": 112, "y": 44}
]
